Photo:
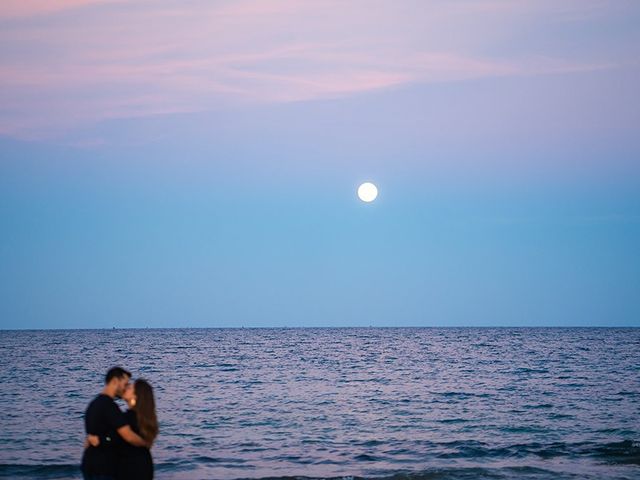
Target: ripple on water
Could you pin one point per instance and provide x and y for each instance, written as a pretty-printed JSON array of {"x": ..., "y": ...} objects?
[{"x": 415, "y": 403}]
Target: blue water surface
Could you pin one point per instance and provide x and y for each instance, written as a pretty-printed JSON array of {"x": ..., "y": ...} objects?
[{"x": 404, "y": 403}]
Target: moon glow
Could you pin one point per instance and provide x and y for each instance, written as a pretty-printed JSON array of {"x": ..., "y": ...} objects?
[{"x": 367, "y": 192}]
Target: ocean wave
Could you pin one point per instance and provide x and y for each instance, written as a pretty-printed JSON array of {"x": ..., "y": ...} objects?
[
  {"x": 625, "y": 452},
  {"x": 49, "y": 472},
  {"x": 59, "y": 472}
]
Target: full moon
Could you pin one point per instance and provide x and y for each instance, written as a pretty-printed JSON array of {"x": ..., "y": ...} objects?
[{"x": 367, "y": 192}]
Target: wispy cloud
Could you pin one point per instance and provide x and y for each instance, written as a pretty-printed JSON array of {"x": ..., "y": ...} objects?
[
  {"x": 167, "y": 57},
  {"x": 29, "y": 8}
]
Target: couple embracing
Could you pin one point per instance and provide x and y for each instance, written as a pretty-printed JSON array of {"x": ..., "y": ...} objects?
[{"x": 118, "y": 443}]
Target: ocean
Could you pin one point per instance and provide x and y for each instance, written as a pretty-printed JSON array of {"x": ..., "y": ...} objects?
[{"x": 402, "y": 403}]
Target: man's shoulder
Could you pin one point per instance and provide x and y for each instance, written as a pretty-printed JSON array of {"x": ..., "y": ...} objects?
[
  {"x": 101, "y": 401},
  {"x": 102, "y": 398}
]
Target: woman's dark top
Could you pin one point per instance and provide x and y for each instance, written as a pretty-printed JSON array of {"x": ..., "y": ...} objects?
[{"x": 133, "y": 463}]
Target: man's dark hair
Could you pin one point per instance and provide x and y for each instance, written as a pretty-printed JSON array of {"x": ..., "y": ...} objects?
[{"x": 116, "y": 372}]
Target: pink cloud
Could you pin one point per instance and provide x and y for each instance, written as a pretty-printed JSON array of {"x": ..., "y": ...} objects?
[
  {"x": 26, "y": 8},
  {"x": 165, "y": 58}
]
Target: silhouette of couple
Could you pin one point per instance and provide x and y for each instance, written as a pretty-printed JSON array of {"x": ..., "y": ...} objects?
[{"x": 118, "y": 443}]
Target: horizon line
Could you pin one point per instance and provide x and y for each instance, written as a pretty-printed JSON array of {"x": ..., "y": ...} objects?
[{"x": 323, "y": 327}]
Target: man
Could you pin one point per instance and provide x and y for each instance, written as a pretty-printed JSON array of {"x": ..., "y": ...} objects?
[{"x": 104, "y": 418}]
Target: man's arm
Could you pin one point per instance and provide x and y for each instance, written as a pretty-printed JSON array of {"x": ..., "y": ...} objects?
[{"x": 132, "y": 437}]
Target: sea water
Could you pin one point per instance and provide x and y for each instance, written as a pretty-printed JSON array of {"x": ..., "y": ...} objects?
[{"x": 432, "y": 403}]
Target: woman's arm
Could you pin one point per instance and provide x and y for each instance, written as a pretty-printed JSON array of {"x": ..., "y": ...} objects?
[{"x": 132, "y": 437}]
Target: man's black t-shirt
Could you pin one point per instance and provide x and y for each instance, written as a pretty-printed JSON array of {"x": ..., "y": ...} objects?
[{"x": 102, "y": 418}]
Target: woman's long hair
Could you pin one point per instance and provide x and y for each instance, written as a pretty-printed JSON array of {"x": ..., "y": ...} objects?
[{"x": 145, "y": 410}]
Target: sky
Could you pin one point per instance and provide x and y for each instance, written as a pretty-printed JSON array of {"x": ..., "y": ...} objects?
[{"x": 191, "y": 163}]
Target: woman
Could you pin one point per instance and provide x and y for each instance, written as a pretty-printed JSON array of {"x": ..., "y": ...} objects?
[{"x": 135, "y": 463}]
